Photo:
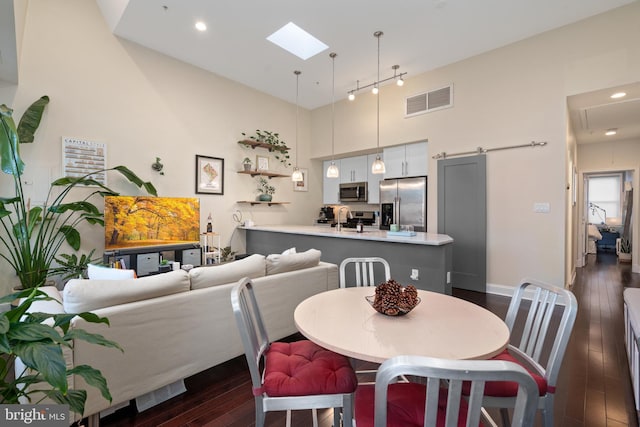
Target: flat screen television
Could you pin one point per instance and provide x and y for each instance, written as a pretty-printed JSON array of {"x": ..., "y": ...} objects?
[{"x": 132, "y": 222}]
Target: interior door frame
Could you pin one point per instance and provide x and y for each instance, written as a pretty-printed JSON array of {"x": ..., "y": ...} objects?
[{"x": 583, "y": 214}]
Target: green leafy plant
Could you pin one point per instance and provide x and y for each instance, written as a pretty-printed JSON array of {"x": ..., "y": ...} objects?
[
  {"x": 38, "y": 339},
  {"x": 32, "y": 236},
  {"x": 70, "y": 265},
  {"x": 226, "y": 254},
  {"x": 625, "y": 245},
  {"x": 264, "y": 187},
  {"x": 279, "y": 147},
  {"x": 246, "y": 161}
]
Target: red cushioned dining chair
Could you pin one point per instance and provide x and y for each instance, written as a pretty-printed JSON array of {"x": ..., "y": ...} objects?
[
  {"x": 399, "y": 404},
  {"x": 541, "y": 346},
  {"x": 296, "y": 375}
]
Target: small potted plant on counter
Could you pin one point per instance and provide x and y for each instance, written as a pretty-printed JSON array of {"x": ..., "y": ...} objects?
[
  {"x": 265, "y": 189},
  {"x": 247, "y": 164}
]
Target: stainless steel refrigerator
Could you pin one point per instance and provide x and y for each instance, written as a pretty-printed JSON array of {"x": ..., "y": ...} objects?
[{"x": 403, "y": 201}]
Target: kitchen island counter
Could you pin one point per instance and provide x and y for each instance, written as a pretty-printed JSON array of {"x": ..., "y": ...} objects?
[
  {"x": 350, "y": 233},
  {"x": 428, "y": 253}
]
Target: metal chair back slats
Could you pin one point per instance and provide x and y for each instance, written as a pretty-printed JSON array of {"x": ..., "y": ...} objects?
[
  {"x": 543, "y": 341},
  {"x": 453, "y": 373},
  {"x": 364, "y": 269}
]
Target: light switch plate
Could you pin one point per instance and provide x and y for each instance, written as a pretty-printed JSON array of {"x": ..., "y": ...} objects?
[{"x": 541, "y": 207}]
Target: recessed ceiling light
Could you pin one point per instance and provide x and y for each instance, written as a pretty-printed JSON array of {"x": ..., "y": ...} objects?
[
  {"x": 201, "y": 26},
  {"x": 611, "y": 132},
  {"x": 618, "y": 95},
  {"x": 297, "y": 41}
]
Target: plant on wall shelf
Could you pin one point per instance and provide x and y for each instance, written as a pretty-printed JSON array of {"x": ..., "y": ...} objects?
[
  {"x": 247, "y": 163},
  {"x": 279, "y": 147},
  {"x": 265, "y": 190},
  {"x": 31, "y": 236}
]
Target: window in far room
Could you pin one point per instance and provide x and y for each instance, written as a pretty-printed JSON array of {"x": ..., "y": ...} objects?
[{"x": 605, "y": 198}]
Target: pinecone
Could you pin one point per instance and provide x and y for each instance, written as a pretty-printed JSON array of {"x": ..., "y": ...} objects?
[{"x": 392, "y": 299}]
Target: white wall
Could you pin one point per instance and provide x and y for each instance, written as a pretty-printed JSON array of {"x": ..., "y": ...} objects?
[
  {"x": 143, "y": 105},
  {"x": 512, "y": 95}
]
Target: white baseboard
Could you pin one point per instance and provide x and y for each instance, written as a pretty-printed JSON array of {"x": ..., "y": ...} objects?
[{"x": 496, "y": 289}]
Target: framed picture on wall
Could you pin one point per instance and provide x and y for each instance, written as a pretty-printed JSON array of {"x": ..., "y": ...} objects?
[
  {"x": 304, "y": 184},
  {"x": 262, "y": 163},
  {"x": 209, "y": 175}
]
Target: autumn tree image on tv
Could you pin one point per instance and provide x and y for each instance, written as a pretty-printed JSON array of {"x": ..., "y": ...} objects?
[{"x": 131, "y": 221}]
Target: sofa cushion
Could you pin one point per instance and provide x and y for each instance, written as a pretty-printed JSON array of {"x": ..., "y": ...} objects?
[
  {"x": 203, "y": 277},
  {"x": 277, "y": 263},
  {"x": 85, "y": 295}
]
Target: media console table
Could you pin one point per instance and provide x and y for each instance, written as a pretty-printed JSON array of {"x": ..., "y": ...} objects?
[{"x": 146, "y": 261}]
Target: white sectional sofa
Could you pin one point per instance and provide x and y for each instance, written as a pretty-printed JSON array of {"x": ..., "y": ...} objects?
[
  {"x": 176, "y": 324},
  {"x": 632, "y": 337}
]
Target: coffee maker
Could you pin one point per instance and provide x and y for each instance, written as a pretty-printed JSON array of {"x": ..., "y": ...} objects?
[{"x": 326, "y": 215}]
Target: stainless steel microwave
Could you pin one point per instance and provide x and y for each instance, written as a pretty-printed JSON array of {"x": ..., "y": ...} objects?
[{"x": 353, "y": 192}]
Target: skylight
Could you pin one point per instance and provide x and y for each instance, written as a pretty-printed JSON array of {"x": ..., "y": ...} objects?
[{"x": 297, "y": 41}]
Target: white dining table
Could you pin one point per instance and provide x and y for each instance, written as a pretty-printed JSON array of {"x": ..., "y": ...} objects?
[{"x": 440, "y": 326}]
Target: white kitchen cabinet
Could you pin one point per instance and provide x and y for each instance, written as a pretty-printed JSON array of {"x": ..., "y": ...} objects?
[
  {"x": 353, "y": 169},
  {"x": 373, "y": 180},
  {"x": 406, "y": 160},
  {"x": 330, "y": 186}
]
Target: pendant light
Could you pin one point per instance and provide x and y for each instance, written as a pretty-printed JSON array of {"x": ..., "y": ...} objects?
[
  {"x": 332, "y": 170},
  {"x": 296, "y": 176},
  {"x": 377, "y": 167}
]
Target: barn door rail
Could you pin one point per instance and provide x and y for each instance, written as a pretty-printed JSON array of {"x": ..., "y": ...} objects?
[{"x": 481, "y": 150}]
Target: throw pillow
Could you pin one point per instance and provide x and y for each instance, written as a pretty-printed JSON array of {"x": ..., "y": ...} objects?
[
  {"x": 106, "y": 273},
  {"x": 289, "y": 251},
  {"x": 277, "y": 263}
]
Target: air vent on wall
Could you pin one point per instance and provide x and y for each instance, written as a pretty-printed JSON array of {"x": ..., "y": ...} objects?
[{"x": 427, "y": 102}]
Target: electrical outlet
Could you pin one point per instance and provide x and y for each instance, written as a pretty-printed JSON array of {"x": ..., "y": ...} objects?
[{"x": 415, "y": 274}]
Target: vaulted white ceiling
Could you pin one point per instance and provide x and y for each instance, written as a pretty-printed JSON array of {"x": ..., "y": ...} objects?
[{"x": 419, "y": 35}]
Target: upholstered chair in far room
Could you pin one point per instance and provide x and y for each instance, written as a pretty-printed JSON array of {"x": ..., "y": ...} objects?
[
  {"x": 295, "y": 375},
  {"x": 364, "y": 271},
  {"x": 440, "y": 401},
  {"x": 538, "y": 343}
]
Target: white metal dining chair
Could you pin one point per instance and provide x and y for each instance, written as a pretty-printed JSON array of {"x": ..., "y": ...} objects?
[
  {"x": 295, "y": 375},
  {"x": 541, "y": 345},
  {"x": 441, "y": 401},
  {"x": 364, "y": 271}
]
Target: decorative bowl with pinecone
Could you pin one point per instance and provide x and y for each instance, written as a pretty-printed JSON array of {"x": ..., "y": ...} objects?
[{"x": 393, "y": 299}]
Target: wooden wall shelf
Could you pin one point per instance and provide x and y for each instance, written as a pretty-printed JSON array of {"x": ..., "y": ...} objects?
[
  {"x": 256, "y": 202},
  {"x": 253, "y": 144},
  {"x": 264, "y": 173}
]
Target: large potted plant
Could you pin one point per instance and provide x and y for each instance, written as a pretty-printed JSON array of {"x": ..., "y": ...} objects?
[
  {"x": 32, "y": 236},
  {"x": 37, "y": 339}
]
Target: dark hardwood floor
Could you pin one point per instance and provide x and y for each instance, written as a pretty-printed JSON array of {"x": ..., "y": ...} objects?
[{"x": 594, "y": 387}]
